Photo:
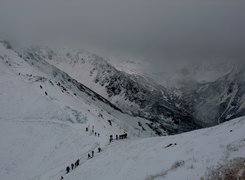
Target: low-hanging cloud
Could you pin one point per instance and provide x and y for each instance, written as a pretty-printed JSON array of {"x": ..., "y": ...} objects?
[{"x": 159, "y": 30}]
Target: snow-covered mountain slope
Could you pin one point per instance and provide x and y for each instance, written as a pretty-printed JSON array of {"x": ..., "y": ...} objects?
[
  {"x": 40, "y": 150},
  {"x": 177, "y": 110},
  {"x": 49, "y": 93},
  {"x": 133, "y": 94},
  {"x": 218, "y": 101}
]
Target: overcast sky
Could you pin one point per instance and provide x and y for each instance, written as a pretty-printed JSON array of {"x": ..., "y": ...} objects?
[{"x": 159, "y": 30}]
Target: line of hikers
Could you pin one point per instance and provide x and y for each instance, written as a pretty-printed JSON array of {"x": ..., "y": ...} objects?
[
  {"x": 122, "y": 136},
  {"x": 73, "y": 166},
  {"x": 92, "y": 153}
]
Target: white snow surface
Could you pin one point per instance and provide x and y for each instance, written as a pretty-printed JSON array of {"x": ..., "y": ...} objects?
[{"x": 42, "y": 134}]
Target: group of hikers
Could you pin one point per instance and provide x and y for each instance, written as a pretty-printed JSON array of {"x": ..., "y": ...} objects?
[
  {"x": 92, "y": 153},
  {"x": 97, "y": 134},
  {"x": 122, "y": 136},
  {"x": 93, "y": 132},
  {"x": 73, "y": 166}
]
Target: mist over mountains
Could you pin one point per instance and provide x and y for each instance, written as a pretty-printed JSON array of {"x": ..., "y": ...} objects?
[
  {"x": 168, "y": 39},
  {"x": 122, "y": 89}
]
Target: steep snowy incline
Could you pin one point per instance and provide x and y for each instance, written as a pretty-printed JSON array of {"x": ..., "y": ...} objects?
[
  {"x": 185, "y": 156},
  {"x": 43, "y": 117},
  {"x": 43, "y": 88}
]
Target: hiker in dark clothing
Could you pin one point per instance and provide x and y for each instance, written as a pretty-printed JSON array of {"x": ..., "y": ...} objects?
[
  {"x": 89, "y": 156},
  {"x": 168, "y": 145},
  {"x": 92, "y": 153},
  {"x": 110, "y": 122},
  {"x": 99, "y": 149},
  {"x": 111, "y": 138},
  {"x": 95, "y": 133},
  {"x": 116, "y": 137},
  {"x": 72, "y": 166},
  {"x": 67, "y": 169},
  {"x": 86, "y": 129},
  {"x": 77, "y": 163},
  {"x": 61, "y": 178},
  {"x": 46, "y": 93},
  {"x": 98, "y": 134}
]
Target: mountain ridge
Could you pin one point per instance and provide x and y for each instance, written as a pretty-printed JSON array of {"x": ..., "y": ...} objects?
[
  {"x": 132, "y": 94},
  {"x": 175, "y": 109}
]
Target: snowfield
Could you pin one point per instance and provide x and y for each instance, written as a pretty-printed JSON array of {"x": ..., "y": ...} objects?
[{"x": 43, "y": 117}]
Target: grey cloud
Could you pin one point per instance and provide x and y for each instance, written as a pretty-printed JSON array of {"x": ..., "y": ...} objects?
[{"x": 160, "y": 30}]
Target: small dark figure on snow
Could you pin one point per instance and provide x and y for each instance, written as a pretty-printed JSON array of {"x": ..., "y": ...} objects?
[
  {"x": 46, "y": 93},
  {"x": 116, "y": 137},
  {"x": 98, "y": 134},
  {"x": 168, "y": 145},
  {"x": 77, "y": 163},
  {"x": 111, "y": 138},
  {"x": 110, "y": 122},
  {"x": 41, "y": 87},
  {"x": 61, "y": 178},
  {"x": 89, "y": 156},
  {"x": 99, "y": 149},
  {"x": 86, "y": 129},
  {"x": 95, "y": 133},
  {"x": 67, "y": 169},
  {"x": 72, "y": 166},
  {"x": 92, "y": 153}
]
